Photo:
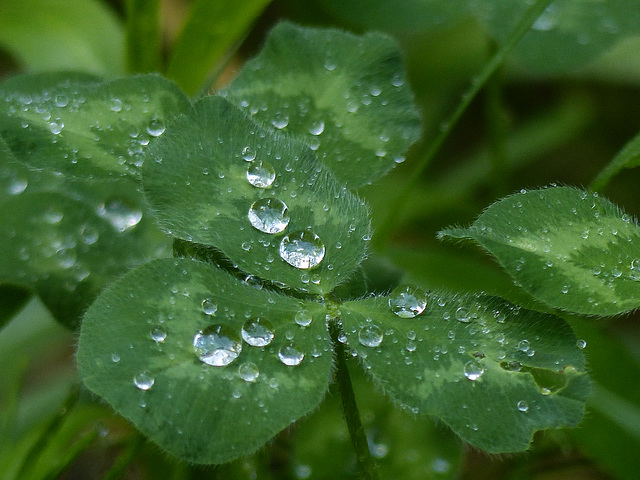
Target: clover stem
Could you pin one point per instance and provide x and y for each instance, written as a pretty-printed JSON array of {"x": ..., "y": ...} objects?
[
  {"x": 523, "y": 26},
  {"x": 366, "y": 464}
]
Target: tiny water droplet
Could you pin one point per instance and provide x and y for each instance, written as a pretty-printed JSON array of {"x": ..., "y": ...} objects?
[
  {"x": 115, "y": 358},
  {"x": 257, "y": 332},
  {"x": 248, "y": 372},
  {"x": 261, "y": 174},
  {"x": 370, "y": 336},
  {"x": 217, "y": 345},
  {"x": 269, "y": 215},
  {"x": 248, "y": 154},
  {"x": 523, "y": 346},
  {"x": 473, "y": 370},
  {"x": 408, "y": 301},
  {"x": 144, "y": 380},
  {"x": 158, "y": 335},
  {"x": 302, "y": 249},
  {"x": 290, "y": 355},
  {"x": 523, "y": 406},
  {"x": 208, "y": 307},
  {"x": 303, "y": 318},
  {"x": 581, "y": 344},
  {"x": 462, "y": 315}
]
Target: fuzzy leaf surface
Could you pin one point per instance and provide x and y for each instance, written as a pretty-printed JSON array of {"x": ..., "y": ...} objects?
[
  {"x": 568, "y": 248},
  {"x": 196, "y": 182},
  {"x": 82, "y": 127},
  {"x": 425, "y": 364},
  {"x": 346, "y": 96},
  {"x": 201, "y": 413}
]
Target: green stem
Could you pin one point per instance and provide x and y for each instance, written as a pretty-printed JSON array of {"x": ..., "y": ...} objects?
[
  {"x": 366, "y": 464},
  {"x": 478, "y": 83}
]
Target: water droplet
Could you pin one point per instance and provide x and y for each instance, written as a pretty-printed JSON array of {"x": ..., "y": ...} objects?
[
  {"x": 155, "y": 127},
  {"x": 635, "y": 269},
  {"x": 116, "y": 105},
  {"x": 248, "y": 372},
  {"x": 144, "y": 380},
  {"x": 261, "y": 174},
  {"x": 248, "y": 154},
  {"x": 121, "y": 215},
  {"x": 408, "y": 301},
  {"x": 208, "y": 307},
  {"x": 565, "y": 289},
  {"x": 257, "y": 332},
  {"x": 473, "y": 370},
  {"x": 17, "y": 186},
  {"x": 316, "y": 128},
  {"x": 462, "y": 315},
  {"x": 269, "y": 215},
  {"x": 280, "y": 121},
  {"x": 523, "y": 406},
  {"x": 158, "y": 335},
  {"x": 523, "y": 345},
  {"x": 302, "y": 249},
  {"x": 290, "y": 355},
  {"x": 370, "y": 336},
  {"x": 217, "y": 345},
  {"x": 581, "y": 344},
  {"x": 115, "y": 358},
  {"x": 303, "y": 318}
]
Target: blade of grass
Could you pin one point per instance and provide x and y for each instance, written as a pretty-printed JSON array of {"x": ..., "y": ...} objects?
[{"x": 143, "y": 36}]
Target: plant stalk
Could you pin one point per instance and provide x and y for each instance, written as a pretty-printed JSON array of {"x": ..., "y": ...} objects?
[
  {"x": 366, "y": 464},
  {"x": 523, "y": 26}
]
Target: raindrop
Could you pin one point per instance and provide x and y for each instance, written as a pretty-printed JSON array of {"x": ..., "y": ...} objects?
[
  {"x": 290, "y": 355},
  {"x": 303, "y": 318},
  {"x": 316, "y": 128},
  {"x": 370, "y": 336},
  {"x": 473, "y": 370},
  {"x": 407, "y": 301},
  {"x": 581, "y": 344},
  {"x": 158, "y": 335},
  {"x": 144, "y": 380},
  {"x": 17, "y": 186},
  {"x": 635, "y": 269},
  {"x": 248, "y": 153},
  {"x": 121, "y": 215},
  {"x": 269, "y": 215},
  {"x": 565, "y": 289},
  {"x": 208, "y": 307},
  {"x": 523, "y": 406},
  {"x": 523, "y": 345},
  {"x": 261, "y": 174},
  {"x": 115, "y": 358},
  {"x": 302, "y": 249},
  {"x": 155, "y": 127},
  {"x": 280, "y": 121},
  {"x": 462, "y": 315},
  {"x": 248, "y": 372},
  {"x": 217, "y": 345},
  {"x": 257, "y": 332}
]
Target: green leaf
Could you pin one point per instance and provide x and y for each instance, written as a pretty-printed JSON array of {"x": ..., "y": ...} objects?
[
  {"x": 211, "y": 30},
  {"x": 628, "y": 157},
  {"x": 196, "y": 182},
  {"x": 566, "y": 247},
  {"x": 144, "y": 36},
  {"x": 66, "y": 250},
  {"x": 82, "y": 128},
  {"x": 12, "y": 299},
  {"x": 346, "y": 96},
  {"x": 63, "y": 35},
  {"x": 198, "y": 412},
  {"x": 493, "y": 372}
]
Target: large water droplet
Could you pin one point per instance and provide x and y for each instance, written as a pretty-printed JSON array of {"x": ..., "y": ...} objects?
[
  {"x": 462, "y": 315},
  {"x": 248, "y": 372},
  {"x": 155, "y": 127},
  {"x": 217, "y": 345},
  {"x": 261, "y": 174},
  {"x": 473, "y": 370},
  {"x": 523, "y": 346},
  {"x": 408, "y": 301},
  {"x": 208, "y": 307},
  {"x": 302, "y": 249},
  {"x": 370, "y": 336},
  {"x": 257, "y": 332},
  {"x": 158, "y": 335},
  {"x": 290, "y": 355},
  {"x": 303, "y": 318},
  {"x": 523, "y": 406},
  {"x": 316, "y": 128},
  {"x": 280, "y": 121},
  {"x": 269, "y": 215},
  {"x": 121, "y": 215},
  {"x": 144, "y": 380}
]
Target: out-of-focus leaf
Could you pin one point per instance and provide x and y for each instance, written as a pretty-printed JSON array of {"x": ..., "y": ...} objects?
[
  {"x": 628, "y": 157},
  {"x": 143, "y": 36}
]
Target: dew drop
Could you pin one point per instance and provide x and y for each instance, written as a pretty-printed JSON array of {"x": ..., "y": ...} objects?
[
  {"x": 370, "y": 336},
  {"x": 280, "y": 121},
  {"x": 158, "y": 335},
  {"x": 155, "y": 127},
  {"x": 121, "y": 215},
  {"x": 302, "y": 249},
  {"x": 303, "y": 318},
  {"x": 407, "y": 301},
  {"x": 473, "y": 370},
  {"x": 248, "y": 154},
  {"x": 523, "y": 346},
  {"x": 290, "y": 355},
  {"x": 248, "y": 372},
  {"x": 316, "y": 128},
  {"x": 635, "y": 269},
  {"x": 261, "y": 174},
  {"x": 144, "y": 380},
  {"x": 269, "y": 215},
  {"x": 208, "y": 307},
  {"x": 462, "y": 315},
  {"x": 217, "y": 345},
  {"x": 257, "y": 332},
  {"x": 581, "y": 344},
  {"x": 523, "y": 406},
  {"x": 115, "y": 358}
]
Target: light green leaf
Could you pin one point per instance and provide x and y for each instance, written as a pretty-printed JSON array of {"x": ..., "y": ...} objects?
[
  {"x": 346, "y": 96},
  {"x": 211, "y": 30},
  {"x": 196, "y": 181},
  {"x": 63, "y": 35},
  {"x": 566, "y": 247},
  {"x": 79, "y": 127},
  {"x": 146, "y": 322},
  {"x": 493, "y": 372},
  {"x": 628, "y": 157},
  {"x": 144, "y": 36}
]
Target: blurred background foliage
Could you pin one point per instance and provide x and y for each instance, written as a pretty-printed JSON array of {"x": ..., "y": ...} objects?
[{"x": 557, "y": 111}]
